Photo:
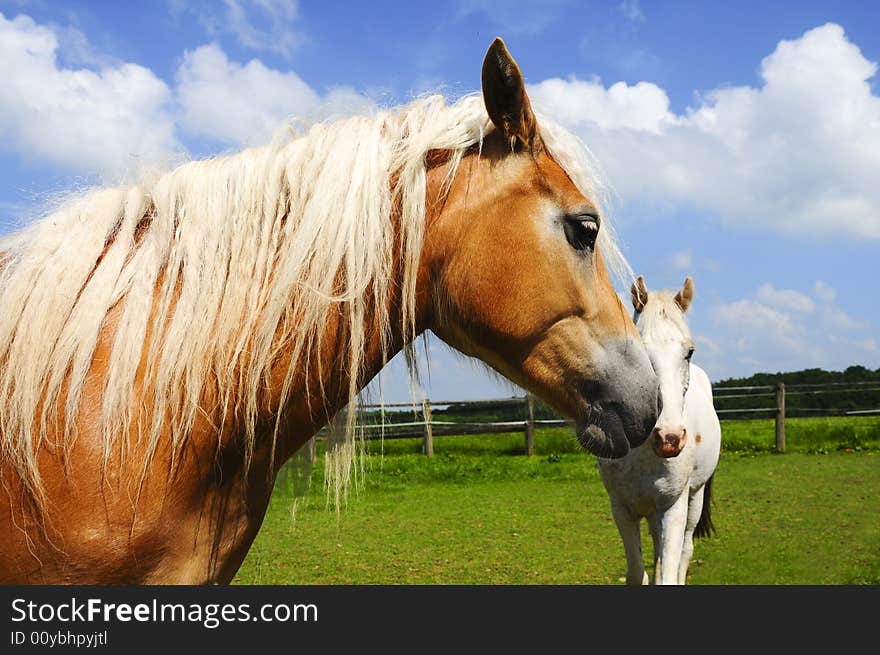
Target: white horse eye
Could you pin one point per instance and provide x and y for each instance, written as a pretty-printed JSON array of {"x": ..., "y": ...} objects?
[{"x": 690, "y": 353}]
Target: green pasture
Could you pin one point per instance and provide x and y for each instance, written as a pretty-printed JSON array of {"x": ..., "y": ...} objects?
[{"x": 480, "y": 512}]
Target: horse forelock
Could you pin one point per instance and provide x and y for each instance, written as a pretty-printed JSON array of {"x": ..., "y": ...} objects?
[
  {"x": 202, "y": 265},
  {"x": 661, "y": 314}
]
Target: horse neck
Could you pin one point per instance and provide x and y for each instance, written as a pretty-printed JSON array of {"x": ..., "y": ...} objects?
[{"x": 317, "y": 396}]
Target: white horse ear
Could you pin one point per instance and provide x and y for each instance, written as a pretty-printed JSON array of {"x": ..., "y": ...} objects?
[
  {"x": 685, "y": 297},
  {"x": 639, "y": 294}
]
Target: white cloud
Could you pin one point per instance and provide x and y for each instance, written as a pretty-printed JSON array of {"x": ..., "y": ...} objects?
[
  {"x": 798, "y": 154},
  {"x": 682, "y": 260},
  {"x": 234, "y": 103},
  {"x": 824, "y": 291},
  {"x": 834, "y": 318},
  {"x": 113, "y": 118},
  {"x": 277, "y": 36},
  {"x": 749, "y": 318},
  {"x": 786, "y": 299},
  {"x": 96, "y": 121},
  {"x": 262, "y": 25},
  {"x": 238, "y": 104},
  {"x": 782, "y": 330},
  {"x": 643, "y": 107},
  {"x": 631, "y": 11},
  {"x": 75, "y": 49}
]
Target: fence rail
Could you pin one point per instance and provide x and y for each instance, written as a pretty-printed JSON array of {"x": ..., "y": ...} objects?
[{"x": 428, "y": 416}]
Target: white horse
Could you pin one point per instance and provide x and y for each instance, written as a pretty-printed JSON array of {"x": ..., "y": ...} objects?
[{"x": 668, "y": 479}]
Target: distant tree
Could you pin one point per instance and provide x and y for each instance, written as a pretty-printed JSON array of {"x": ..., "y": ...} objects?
[
  {"x": 855, "y": 373},
  {"x": 805, "y": 401}
]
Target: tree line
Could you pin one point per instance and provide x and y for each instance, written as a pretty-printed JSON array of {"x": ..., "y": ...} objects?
[{"x": 806, "y": 376}]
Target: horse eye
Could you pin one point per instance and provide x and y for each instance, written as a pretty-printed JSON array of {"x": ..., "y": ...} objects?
[
  {"x": 581, "y": 230},
  {"x": 690, "y": 353}
]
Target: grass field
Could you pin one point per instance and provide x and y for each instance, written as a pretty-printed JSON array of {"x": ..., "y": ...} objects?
[{"x": 480, "y": 512}]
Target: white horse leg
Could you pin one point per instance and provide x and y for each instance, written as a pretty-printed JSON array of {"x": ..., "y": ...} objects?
[
  {"x": 671, "y": 525},
  {"x": 628, "y": 527},
  {"x": 695, "y": 508}
]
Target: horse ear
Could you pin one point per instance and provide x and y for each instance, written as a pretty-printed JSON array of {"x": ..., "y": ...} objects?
[
  {"x": 504, "y": 93},
  {"x": 685, "y": 297},
  {"x": 639, "y": 294}
]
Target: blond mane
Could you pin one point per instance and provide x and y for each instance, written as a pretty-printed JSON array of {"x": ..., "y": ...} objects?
[{"x": 218, "y": 266}]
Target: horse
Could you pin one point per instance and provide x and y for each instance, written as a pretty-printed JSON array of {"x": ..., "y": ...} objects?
[
  {"x": 166, "y": 346},
  {"x": 668, "y": 479}
]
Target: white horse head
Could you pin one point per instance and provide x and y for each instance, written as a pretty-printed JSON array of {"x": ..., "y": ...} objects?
[{"x": 659, "y": 317}]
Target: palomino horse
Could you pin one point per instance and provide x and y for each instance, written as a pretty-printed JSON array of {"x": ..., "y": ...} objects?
[
  {"x": 669, "y": 478},
  {"x": 165, "y": 347}
]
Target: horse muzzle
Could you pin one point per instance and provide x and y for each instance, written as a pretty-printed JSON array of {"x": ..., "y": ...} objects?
[
  {"x": 668, "y": 443},
  {"x": 611, "y": 429},
  {"x": 623, "y": 406}
]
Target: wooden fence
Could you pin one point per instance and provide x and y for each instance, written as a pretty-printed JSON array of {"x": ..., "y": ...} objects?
[
  {"x": 780, "y": 392},
  {"x": 383, "y": 421}
]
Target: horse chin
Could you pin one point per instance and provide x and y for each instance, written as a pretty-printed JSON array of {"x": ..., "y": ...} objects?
[
  {"x": 604, "y": 434},
  {"x": 666, "y": 451}
]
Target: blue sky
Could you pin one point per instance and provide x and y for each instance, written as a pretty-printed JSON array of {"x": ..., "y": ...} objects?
[{"x": 742, "y": 139}]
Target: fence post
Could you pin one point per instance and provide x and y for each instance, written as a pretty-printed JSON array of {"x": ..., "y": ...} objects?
[
  {"x": 530, "y": 425},
  {"x": 428, "y": 446},
  {"x": 780, "y": 418}
]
